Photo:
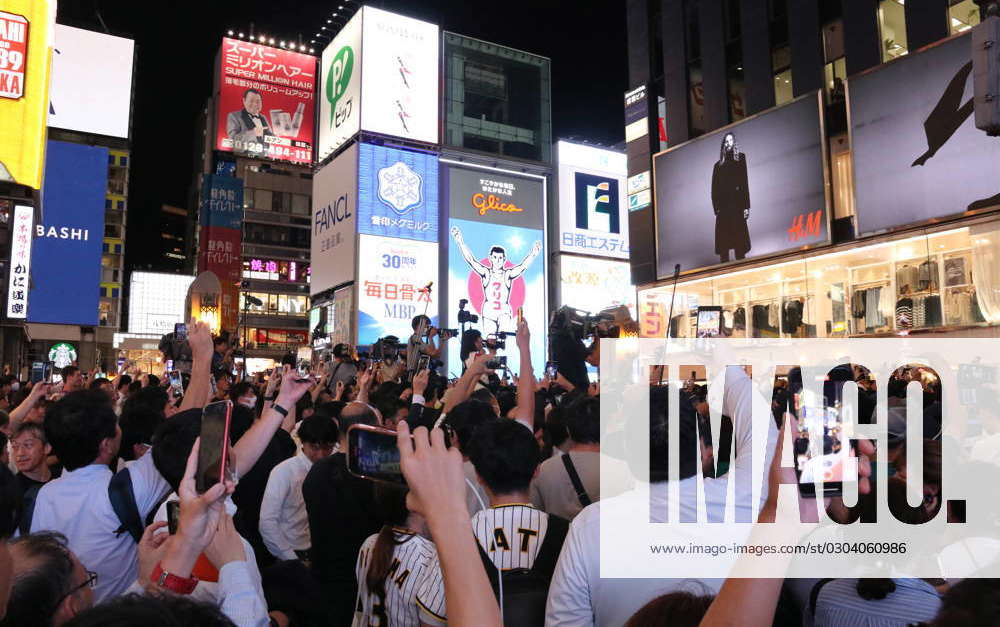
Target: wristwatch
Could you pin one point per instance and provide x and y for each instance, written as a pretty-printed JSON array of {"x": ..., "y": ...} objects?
[
  {"x": 173, "y": 583},
  {"x": 281, "y": 410}
]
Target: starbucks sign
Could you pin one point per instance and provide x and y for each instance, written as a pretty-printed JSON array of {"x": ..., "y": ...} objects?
[{"x": 62, "y": 354}]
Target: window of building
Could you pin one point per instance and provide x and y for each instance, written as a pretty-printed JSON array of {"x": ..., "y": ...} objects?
[
  {"x": 696, "y": 85},
  {"x": 892, "y": 23},
  {"x": 962, "y": 15},
  {"x": 262, "y": 199},
  {"x": 843, "y": 177},
  {"x": 929, "y": 281},
  {"x": 734, "y": 61},
  {"x": 117, "y": 180},
  {"x": 248, "y": 198},
  {"x": 781, "y": 63},
  {"x": 280, "y": 201},
  {"x": 300, "y": 204},
  {"x": 835, "y": 63}
]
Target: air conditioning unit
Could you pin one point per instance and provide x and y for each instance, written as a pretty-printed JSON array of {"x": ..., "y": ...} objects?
[{"x": 986, "y": 74}]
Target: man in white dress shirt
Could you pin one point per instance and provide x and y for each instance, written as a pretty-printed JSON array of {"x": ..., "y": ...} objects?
[{"x": 284, "y": 523}]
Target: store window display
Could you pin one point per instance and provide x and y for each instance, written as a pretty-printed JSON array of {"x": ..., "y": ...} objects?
[{"x": 942, "y": 280}]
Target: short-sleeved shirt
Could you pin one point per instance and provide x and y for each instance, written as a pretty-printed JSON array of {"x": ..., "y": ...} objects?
[
  {"x": 553, "y": 492},
  {"x": 511, "y": 535},
  {"x": 413, "y": 559}
]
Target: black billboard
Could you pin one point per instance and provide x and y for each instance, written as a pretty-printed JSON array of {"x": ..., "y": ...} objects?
[
  {"x": 750, "y": 189},
  {"x": 917, "y": 152}
]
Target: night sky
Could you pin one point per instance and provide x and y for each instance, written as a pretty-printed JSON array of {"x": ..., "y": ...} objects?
[{"x": 177, "y": 42}]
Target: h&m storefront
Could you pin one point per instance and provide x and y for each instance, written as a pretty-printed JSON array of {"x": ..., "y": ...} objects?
[{"x": 745, "y": 212}]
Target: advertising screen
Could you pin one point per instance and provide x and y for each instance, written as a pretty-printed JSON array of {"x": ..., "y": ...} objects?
[
  {"x": 391, "y": 286},
  {"x": 266, "y": 102},
  {"x": 397, "y": 193},
  {"x": 91, "y": 88},
  {"x": 594, "y": 284},
  {"x": 221, "y": 201},
  {"x": 342, "y": 315},
  {"x": 751, "y": 189},
  {"x": 156, "y": 301},
  {"x": 26, "y": 33},
  {"x": 340, "y": 89},
  {"x": 22, "y": 234},
  {"x": 66, "y": 254},
  {"x": 334, "y": 227},
  {"x": 221, "y": 253},
  {"x": 921, "y": 156},
  {"x": 593, "y": 217},
  {"x": 399, "y": 81},
  {"x": 496, "y": 256}
]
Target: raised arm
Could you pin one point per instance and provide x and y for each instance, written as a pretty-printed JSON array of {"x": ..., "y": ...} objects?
[
  {"x": 248, "y": 450},
  {"x": 525, "y": 411},
  {"x": 17, "y": 415},
  {"x": 519, "y": 269},
  {"x": 199, "y": 389},
  {"x": 479, "y": 268}
]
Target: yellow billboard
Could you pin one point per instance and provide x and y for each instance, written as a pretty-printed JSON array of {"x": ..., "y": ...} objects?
[{"x": 26, "y": 28}]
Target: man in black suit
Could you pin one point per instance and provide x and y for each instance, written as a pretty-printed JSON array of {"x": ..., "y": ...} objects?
[{"x": 731, "y": 201}]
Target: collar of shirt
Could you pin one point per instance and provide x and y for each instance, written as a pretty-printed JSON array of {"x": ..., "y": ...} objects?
[{"x": 86, "y": 472}]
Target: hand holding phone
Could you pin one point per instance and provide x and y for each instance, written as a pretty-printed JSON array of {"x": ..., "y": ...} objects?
[
  {"x": 372, "y": 453},
  {"x": 180, "y": 331}
]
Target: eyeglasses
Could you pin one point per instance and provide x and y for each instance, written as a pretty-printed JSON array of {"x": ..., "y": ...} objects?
[{"x": 90, "y": 581}]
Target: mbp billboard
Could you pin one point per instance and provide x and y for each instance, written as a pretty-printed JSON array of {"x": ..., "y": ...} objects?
[
  {"x": 66, "y": 255},
  {"x": 399, "y": 78},
  {"x": 496, "y": 259},
  {"x": 91, "y": 88},
  {"x": 917, "y": 152},
  {"x": 751, "y": 189},
  {"x": 156, "y": 301},
  {"x": 340, "y": 88},
  {"x": 392, "y": 281},
  {"x": 397, "y": 193},
  {"x": 593, "y": 217},
  {"x": 334, "y": 224},
  {"x": 265, "y": 102}
]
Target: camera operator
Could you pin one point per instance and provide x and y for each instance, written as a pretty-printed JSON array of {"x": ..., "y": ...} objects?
[
  {"x": 343, "y": 368},
  {"x": 473, "y": 346},
  {"x": 422, "y": 342}
]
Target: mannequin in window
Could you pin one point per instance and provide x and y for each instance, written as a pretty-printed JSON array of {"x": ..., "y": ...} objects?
[{"x": 731, "y": 201}]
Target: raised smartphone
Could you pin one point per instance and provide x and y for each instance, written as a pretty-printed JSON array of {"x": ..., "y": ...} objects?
[
  {"x": 372, "y": 453},
  {"x": 214, "y": 448}
]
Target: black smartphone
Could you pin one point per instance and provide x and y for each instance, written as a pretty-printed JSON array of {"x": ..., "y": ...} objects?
[
  {"x": 423, "y": 363},
  {"x": 826, "y": 463},
  {"x": 176, "y": 382},
  {"x": 214, "y": 448},
  {"x": 50, "y": 371},
  {"x": 372, "y": 453},
  {"x": 497, "y": 363},
  {"x": 180, "y": 331},
  {"x": 552, "y": 370},
  {"x": 173, "y": 516}
]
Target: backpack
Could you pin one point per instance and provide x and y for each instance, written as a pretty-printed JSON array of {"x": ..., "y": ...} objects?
[
  {"x": 525, "y": 591},
  {"x": 122, "y": 499}
]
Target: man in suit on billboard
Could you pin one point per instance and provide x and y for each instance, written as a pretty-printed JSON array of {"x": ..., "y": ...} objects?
[
  {"x": 731, "y": 201},
  {"x": 248, "y": 126}
]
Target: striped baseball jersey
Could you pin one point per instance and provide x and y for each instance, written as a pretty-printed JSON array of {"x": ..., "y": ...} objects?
[
  {"x": 413, "y": 561},
  {"x": 511, "y": 535}
]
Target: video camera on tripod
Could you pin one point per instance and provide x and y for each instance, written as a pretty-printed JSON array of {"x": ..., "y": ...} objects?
[{"x": 580, "y": 324}]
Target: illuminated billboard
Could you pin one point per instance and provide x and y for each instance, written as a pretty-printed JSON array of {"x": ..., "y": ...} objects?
[
  {"x": 20, "y": 261},
  {"x": 156, "y": 301},
  {"x": 91, "y": 88},
  {"x": 26, "y": 38},
  {"x": 66, "y": 255},
  {"x": 592, "y": 284},
  {"x": 496, "y": 254},
  {"x": 593, "y": 216},
  {"x": 334, "y": 224},
  {"x": 340, "y": 89},
  {"x": 391, "y": 286},
  {"x": 397, "y": 193},
  {"x": 379, "y": 74},
  {"x": 265, "y": 102}
]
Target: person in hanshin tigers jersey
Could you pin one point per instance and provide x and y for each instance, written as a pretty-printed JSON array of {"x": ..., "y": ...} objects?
[
  {"x": 511, "y": 532},
  {"x": 392, "y": 564}
]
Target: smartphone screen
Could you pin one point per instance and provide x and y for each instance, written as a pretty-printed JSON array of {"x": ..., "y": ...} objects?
[
  {"x": 50, "y": 371},
  {"x": 709, "y": 322},
  {"x": 176, "y": 383},
  {"x": 180, "y": 331},
  {"x": 551, "y": 370},
  {"x": 173, "y": 516},
  {"x": 424, "y": 362},
  {"x": 826, "y": 463},
  {"x": 214, "y": 446},
  {"x": 372, "y": 453}
]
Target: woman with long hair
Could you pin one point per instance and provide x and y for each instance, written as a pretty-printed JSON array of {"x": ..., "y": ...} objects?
[{"x": 393, "y": 563}]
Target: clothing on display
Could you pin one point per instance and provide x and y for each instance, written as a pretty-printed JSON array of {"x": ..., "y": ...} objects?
[
  {"x": 907, "y": 279},
  {"x": 927, "y": 275},
  {"x": 904, "y": 314},
  {"x": 792, "y": 314},
  {"x": 954, "y": 272}
]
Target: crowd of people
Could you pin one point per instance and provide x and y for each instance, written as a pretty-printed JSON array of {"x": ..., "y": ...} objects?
[{"x": 496, "y": 521}]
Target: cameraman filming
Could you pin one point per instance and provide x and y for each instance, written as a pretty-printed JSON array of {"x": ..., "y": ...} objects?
[{"x": 418, "y": 345}]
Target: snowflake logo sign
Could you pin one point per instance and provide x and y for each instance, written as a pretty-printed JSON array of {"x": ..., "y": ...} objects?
[{"x": 400, "y": 187}]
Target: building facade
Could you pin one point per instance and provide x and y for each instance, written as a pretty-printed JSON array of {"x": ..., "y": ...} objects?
[{"x": 839, "y": 210}]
